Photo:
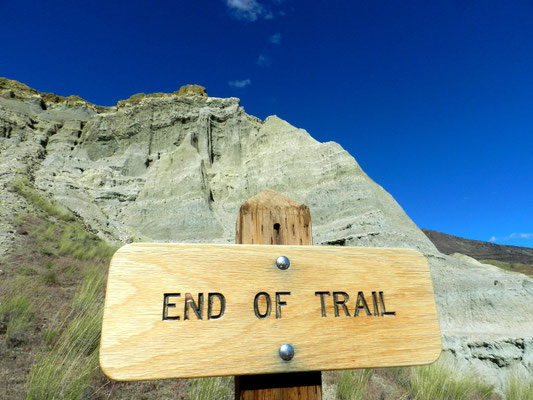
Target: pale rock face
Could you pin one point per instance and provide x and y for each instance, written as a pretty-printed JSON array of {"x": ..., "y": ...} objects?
[
  {"x": 177, "y": 168},
  {"x": 468, "y": 259}
]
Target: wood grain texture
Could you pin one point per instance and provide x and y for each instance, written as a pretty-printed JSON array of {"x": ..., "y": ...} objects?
[
  {"x": 293, "y": 386},
  {"x": 271, "y": 218},
  {"x": 137, "y": 344}
]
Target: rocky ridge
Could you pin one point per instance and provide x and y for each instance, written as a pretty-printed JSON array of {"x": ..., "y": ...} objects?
[{"x": 176, "y": 167}]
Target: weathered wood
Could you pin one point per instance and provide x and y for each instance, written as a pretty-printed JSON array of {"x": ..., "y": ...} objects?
[
  {"x": 138, "y": 342},
  {"x": 270, "y": 218},
  {"x": 294, "y": 386}
]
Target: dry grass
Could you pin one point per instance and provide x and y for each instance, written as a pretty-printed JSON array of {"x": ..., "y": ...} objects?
[
  {"x": 62, "y": 270},
  {"x": 68, "y": 364},
  {"x": 81, "y": 245},
  {"x": 441, "y": 382},
  {"x": 518, "y": 387},
  {"x": 210, "y": 388},
  {"x": 39, "y": 283},
  {"x": 352, "y": 385},
  {"x": 16, "y": 318},
  {"x": 67, "y": 368}
]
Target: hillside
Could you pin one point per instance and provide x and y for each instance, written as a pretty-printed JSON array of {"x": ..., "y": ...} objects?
[
  {"x": 511, "y": 258},
  {"x": 448, "y": 244}
]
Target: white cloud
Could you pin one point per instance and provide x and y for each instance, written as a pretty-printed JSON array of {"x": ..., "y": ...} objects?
[
  {"x": 521, "y": 236},
  {"x": 275, "y": 38},
  {"x": 248, "y": 10},
  {"x": 264, "y": 61},
  {"x": 239, "y": 83},
  {"x": 511, "y": 236},
  {"x": 252, "y": 10}
]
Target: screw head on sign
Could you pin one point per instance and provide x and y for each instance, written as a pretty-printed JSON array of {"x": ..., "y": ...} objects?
[
  {"x": 283, "y": 262},
  {"x": 286, "y": 352}
]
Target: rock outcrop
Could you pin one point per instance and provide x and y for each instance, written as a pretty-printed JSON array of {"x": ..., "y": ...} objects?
[{"x": 176, "y": 167}]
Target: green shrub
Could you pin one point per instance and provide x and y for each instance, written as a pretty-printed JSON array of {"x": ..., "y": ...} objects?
[
  {"x": 49, "y": 277},
  {"x": 47, "y": 251},
  {"x": 352, "y": 385},
  {"x": 14, "y": 306},
  {"x": 17, "y": 331},
  {"x": 16, "y": 313},
  {"x": 209, "y": 388}
]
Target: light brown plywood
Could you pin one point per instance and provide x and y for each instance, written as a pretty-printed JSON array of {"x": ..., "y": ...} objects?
[{"x": 137, "y": 343}]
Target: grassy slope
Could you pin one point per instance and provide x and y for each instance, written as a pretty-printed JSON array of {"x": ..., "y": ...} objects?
[{"x": 51, "y": 298}]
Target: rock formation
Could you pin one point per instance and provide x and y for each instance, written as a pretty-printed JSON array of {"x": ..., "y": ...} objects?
[{"x": 176, "y": 167}]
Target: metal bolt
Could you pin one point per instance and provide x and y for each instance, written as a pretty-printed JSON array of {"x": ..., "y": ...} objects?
[
  {"x": 286, "y": 352},
  {"x": 283, "y": 262}
]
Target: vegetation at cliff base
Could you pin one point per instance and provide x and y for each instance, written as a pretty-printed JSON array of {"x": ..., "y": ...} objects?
[
  {"x": 441, "y": 380},
  {"x": 68, "y": 363},
  {"x": 51, "y": 301},
  {"x": 518, "y": 387},
  {"x": 23, "y": 187}
]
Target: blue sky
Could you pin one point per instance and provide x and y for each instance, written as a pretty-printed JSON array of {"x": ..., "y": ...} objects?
[{"x": 434, "y": 99}]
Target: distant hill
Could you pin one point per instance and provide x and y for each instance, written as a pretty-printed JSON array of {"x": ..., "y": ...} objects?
[{"x": 479, "y": 250}]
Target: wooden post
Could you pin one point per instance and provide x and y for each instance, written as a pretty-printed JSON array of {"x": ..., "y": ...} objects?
[{"x": 271, "y": 218}]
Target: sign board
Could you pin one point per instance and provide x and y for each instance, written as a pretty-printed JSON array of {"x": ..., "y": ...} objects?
[{"x": 184, "y": 310}]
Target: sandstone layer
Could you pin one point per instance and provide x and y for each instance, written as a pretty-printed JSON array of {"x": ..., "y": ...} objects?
[{"x": 177, "y": 167}]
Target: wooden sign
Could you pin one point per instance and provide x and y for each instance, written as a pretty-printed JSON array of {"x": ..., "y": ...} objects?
[{"x": 183, "y": 310}]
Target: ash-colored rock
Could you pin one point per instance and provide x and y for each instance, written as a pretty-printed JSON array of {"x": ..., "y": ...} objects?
[
  {"x": 177, "y": 168},
  {"x": 468, "y": 259}
]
